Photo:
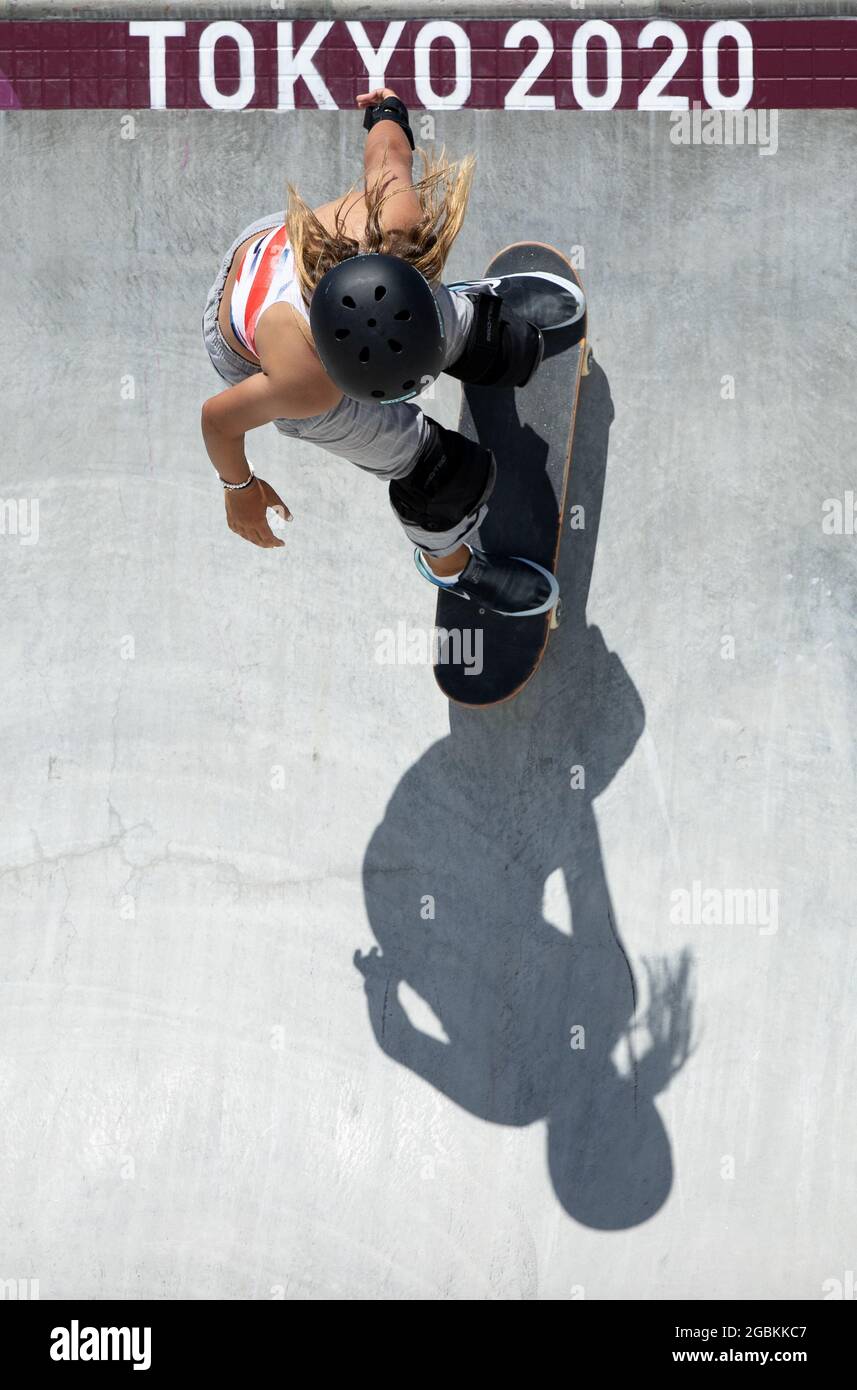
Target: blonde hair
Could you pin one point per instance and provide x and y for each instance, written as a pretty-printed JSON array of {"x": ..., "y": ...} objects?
[{"x": 443, "y": 191}]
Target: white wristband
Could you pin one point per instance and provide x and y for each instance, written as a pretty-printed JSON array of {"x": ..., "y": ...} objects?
[{"x": 238, "y": 487}]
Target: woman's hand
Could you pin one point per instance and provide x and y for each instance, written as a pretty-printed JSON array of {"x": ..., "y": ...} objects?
[
  {"x": 373, "y": 98},
  {"x": 245, "y": 513}
]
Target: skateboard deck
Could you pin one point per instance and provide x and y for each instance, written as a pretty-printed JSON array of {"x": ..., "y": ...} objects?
[{"x": 484, "y": 658}]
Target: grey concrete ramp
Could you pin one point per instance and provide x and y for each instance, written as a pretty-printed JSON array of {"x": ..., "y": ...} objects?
[{"x": 313, "y": 988}]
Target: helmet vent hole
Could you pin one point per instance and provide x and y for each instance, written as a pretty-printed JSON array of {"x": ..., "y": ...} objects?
[
  {"x": 348, "y": 302},
  {"x": 403, "y": 315},
  {"x": 395, "y": 347},
  {"x": 342, "y": 333},
  {"x": 408, "y": 385},
  {"x": 379, "y": 394},
  {"x": 364, "y": 354},
  {"x": 380, "y": 291},
  {"x": 370, "y": 323}
]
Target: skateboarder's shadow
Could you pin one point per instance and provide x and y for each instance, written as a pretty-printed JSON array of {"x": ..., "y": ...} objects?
[{"x": 486, "y": 891}]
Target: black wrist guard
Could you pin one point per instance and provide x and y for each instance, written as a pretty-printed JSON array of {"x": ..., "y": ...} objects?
[{"x": 390, "y": 109}]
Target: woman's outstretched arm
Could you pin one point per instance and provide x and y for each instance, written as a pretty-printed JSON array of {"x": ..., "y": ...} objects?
[{"x": 388, "y": 156}]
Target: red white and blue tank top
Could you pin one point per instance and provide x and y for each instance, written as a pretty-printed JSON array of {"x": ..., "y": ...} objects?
[{"x": 267, "y": 275}]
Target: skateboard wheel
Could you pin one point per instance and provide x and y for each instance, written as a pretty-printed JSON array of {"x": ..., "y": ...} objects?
[
  {"x": 556, "y": 614},
  {"x": 587, "y": 362}
]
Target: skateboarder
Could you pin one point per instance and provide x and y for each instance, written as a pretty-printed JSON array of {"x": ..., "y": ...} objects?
[{"x": 328, "y": 322}]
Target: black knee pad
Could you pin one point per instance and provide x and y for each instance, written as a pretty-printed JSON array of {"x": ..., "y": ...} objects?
[
  {"x": 451, "y": 478},
  {"x": 502, "y": 348}
]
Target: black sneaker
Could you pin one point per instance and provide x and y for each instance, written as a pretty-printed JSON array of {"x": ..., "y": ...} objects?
[
  {"x": 551, "y": 302},
  {"x": 506, "y": 584}
]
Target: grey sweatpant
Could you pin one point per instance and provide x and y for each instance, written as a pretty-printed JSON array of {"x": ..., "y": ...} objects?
[{"x": 382, "y": 439}]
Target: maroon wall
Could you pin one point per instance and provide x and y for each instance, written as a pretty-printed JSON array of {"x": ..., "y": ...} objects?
[{"x": 82, "y": 65}]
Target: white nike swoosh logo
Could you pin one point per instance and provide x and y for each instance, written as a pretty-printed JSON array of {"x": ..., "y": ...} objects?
[{"x": 467, "y": 284}]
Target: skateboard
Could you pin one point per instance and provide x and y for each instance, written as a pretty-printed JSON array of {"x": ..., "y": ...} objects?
[{"x": 483, "y": 658}]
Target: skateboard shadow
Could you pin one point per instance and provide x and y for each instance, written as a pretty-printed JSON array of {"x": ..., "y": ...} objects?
[{"x": 484, "y": 853}]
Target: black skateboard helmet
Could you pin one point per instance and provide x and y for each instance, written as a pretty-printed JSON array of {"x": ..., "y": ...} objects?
[{"x": 377, "y": 328}]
